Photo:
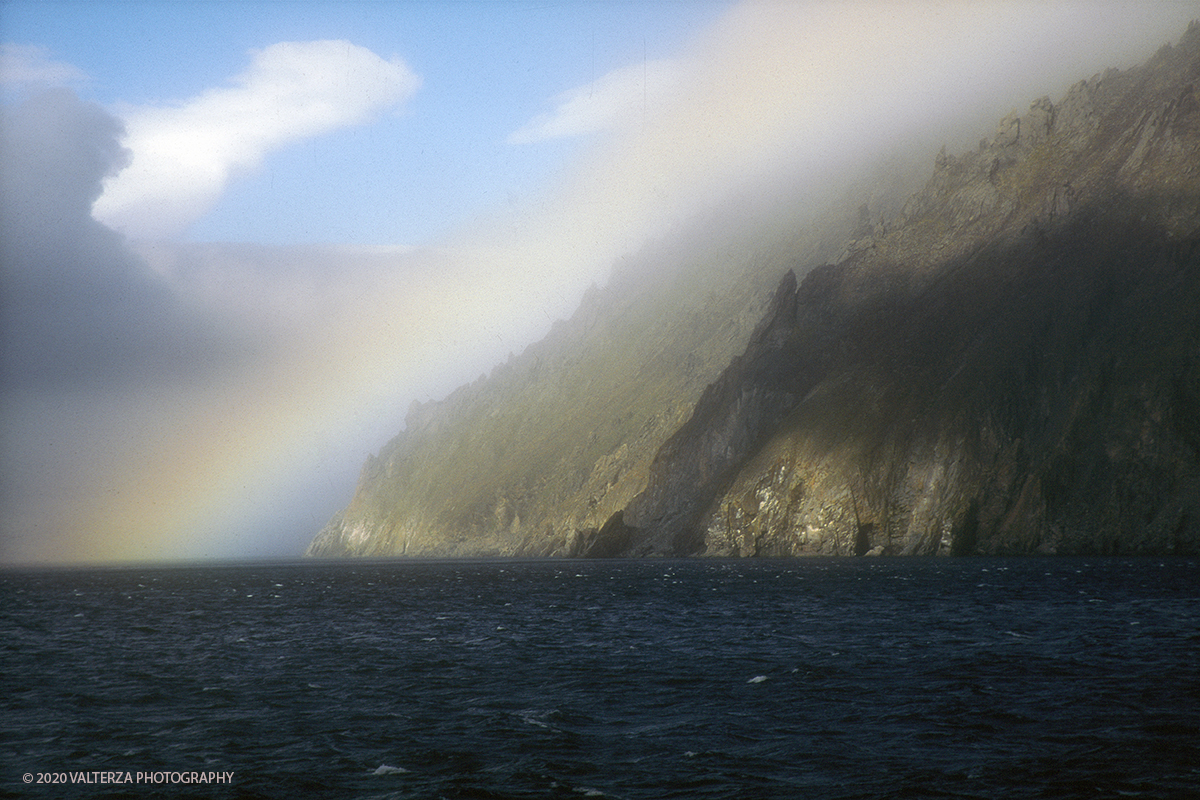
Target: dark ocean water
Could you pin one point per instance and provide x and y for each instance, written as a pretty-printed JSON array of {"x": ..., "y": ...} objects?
[{"x": 821, "y": 678}]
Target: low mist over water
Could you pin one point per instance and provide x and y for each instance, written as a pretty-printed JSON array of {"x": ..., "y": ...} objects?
[{"x": 234, "y": 254}]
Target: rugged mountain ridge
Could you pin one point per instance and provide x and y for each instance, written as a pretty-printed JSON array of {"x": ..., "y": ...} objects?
[
  {"x": 1014, "y": 367},
  {"x": 1010, "y": 364}
]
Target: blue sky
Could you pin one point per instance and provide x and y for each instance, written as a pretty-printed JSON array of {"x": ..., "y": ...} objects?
[
  {"x": 417, "y": 169},
  {"x": 238, "y": 239}
]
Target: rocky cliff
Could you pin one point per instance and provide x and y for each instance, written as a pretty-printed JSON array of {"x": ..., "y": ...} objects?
[
  {"x": 1010, "y": 363},
  {"x": 533, "y": 458}
]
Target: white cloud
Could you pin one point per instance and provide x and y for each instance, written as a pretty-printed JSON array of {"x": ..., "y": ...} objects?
[
  {"x": 604, "y": 103},
  {"x": 28, "y": 65},
  {"x": 184, "y": 156}
]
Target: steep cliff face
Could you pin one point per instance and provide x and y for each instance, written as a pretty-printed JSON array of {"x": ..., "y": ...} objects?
[
  {"x": 535, "y": 457},
  {"x": 1009, "y": 363},
  {"x": 1013, "y": 367}
]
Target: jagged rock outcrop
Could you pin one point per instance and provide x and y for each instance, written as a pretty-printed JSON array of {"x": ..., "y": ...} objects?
[
  {"x": 1009, "y": 363},
  {"x": 1013, "y": 368}
]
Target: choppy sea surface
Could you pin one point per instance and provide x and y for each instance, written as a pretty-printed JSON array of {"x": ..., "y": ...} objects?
[{"x": 820, "y": 678}]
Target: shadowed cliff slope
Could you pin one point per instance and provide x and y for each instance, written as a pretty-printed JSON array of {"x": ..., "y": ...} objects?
[
  {"x": 1014, "y": 367},
  {"x": 1010, "y": 364}
]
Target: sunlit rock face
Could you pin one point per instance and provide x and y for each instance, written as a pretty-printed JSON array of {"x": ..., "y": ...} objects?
[
  {"x": 1007, "y": 362},
  {"x": 1039, "y": 397},
  {"x": 1012, "y": 367}
]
